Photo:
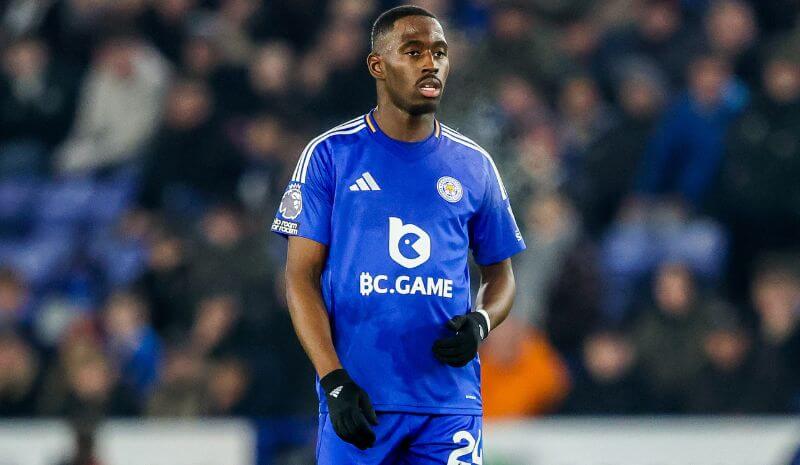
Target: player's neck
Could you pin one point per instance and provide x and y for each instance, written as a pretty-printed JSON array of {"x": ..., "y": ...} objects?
[{"x": 400, "y": 125}]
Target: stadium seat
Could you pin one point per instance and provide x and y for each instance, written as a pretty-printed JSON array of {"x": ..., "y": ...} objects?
[
  {"x": 41, "y": 259},
  {"x": 701, "y": 244},
  {"x": 16, "y": 199},
  {"x": 109, "y": 201},
  {"x": 122, "y": 261},
  {"x": 64, "y": 203}
]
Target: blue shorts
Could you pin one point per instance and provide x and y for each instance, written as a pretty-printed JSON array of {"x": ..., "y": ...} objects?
[{"x": 407, "y": 439}]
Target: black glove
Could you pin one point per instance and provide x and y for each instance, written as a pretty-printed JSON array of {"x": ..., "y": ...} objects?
[
  {"x": 458, "y": 350},
  {"x": 350, "y": 409}
]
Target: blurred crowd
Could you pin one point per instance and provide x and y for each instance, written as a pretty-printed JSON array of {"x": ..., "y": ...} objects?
[{"x": 651, "y": 147}]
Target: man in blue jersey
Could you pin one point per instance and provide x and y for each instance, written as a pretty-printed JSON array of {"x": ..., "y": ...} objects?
[{"x": 381, "y": 214}]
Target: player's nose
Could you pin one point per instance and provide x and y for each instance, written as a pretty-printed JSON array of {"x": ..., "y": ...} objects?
[{"x": 429, "y": 64}]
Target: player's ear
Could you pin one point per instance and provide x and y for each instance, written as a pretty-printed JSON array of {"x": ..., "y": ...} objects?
[{"x": 375, "y": 65}]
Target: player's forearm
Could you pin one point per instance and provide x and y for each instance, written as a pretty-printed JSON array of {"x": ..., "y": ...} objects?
[
  {"x": 304, "y": 263},
  {"x": 311, "y": 323},
  {"x": 496, "y": 292}
]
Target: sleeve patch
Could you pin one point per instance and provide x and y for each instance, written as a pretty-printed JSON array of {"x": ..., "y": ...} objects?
[
  {"x": 291, "y": 202},
  {"x": 285, "y": 227}
]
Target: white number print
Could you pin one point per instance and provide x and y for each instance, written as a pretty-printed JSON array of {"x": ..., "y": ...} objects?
[{"x": 473, "y": 447}]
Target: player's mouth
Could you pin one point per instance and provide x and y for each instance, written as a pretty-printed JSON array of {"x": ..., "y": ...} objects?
[{"x": 430, "y": 87}]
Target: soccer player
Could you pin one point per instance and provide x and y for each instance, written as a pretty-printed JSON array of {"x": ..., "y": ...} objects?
[{"x": 381, "y": 213}]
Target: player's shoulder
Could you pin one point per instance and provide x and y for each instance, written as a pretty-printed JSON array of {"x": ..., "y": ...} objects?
[
  {"x": 319, "y": 148},
  {"x": 340, "y": 132},
  {"x": 475, "y": 154},
  {"x": 463, "y": 143}
]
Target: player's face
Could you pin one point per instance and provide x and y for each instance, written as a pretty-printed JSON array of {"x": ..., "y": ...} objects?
[{"x": 415, "y": 64}]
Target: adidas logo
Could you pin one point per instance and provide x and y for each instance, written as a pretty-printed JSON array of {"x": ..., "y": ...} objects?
[
  {"x": 365, "y": 183},
  {"x": 335, "y": 393}
]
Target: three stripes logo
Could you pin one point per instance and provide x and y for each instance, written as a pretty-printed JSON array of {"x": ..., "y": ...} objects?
[
  {"x": 335, "y": 393},
  {"x": 365, "y": 182}
]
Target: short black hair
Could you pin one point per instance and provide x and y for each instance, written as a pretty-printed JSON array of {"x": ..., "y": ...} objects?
[{"x": 386, "y": 20}]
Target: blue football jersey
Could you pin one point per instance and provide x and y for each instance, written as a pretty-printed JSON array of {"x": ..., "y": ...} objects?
[{"x": 399, "y": 219}]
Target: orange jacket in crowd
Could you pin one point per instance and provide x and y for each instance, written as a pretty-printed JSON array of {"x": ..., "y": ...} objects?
[{"x": 522, "y": 374}]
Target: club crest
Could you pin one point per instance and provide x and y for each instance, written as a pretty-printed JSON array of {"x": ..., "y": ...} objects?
[{"x": 450, "y": 189}]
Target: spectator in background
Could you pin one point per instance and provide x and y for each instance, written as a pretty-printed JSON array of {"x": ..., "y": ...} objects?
[
  {"x": 191, "y": 163},
  {"x": 775, "y": 295},
  {"x": 231, "y": 258},
  {"x": 559, "y": 285},
  {"x": 338, "y": 63},
  {"x": 181, "y": 391},
  {"x": 758, "y": 191},
  {"x": 82, "y": 384},
  {"x": 131, "y": 342},
  {"x": 165, "y": 284},
  {"x": 200, "y": 57},
  {"x": 609, "y": 381},
  {"x": 731, "y": 32},
  {"x": 519, "y": 43},
  {"x": 16, "y": 304},
  {"x": 19, "y": 376},
  {"x": 523, "y": 375},
  {"x": 612, "y": 161},
  {"x": 584, "y": 119},
  {"x": 228, "y": 387},
  {"x": 216, "y": 326},
  {"x": 538, "y": 156},
  {"x": 20, "y": 17},
  {"x": 521, "y": 106},
  {"x": 119, "y": 107},
  {"x": 37, "y": 102},
  {"x": 552, "y": 229},
  {"x": 777, "y": 16},
  {"x": 265, "y": 85},
  {"x": 723, "y": 384},
  {"x": 685, "y": 153},
  {"x": 70, "y": 28},
  {"x": 297, "y": 21},
  {"x": 579, "y": 37},
  {"x": 165, "y": 24},
  {"x": 264, "y": 148},
  {"x": 523, "y": 51},
  {"x": 360, "y": 12},
  {"x": 232, "y": 26},
  {"x": 643, "y": 237},
  {"x": 669, "y": 335},
  {"x": 658, "y": 32}
]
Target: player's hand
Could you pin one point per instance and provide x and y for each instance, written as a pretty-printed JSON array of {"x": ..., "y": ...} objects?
[
  {"x": 461, "y": 348},
  {"x": 350, "y": 409}
]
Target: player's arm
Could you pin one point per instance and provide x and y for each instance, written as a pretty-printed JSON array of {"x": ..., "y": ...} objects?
[
  {"x": 494, "y": 238},
  {"x": 304, "y": 264},
  {"x": 492, "y": 305},
  {"x": 496, "y": 292},
  {"x": 348, "y": 405}
]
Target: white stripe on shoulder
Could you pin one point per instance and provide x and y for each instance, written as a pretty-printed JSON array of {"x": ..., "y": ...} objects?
[
  {"x": 353, "y": 122},
  {"x": 307, "y": 161},
  {"x": 464, "y": 140}
]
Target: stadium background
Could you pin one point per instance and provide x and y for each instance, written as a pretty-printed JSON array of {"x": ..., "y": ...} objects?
[{"x": 651, "y": 147}]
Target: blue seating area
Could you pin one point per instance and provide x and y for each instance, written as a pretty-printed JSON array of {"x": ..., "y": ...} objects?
[{"x": 48, "y": 226}]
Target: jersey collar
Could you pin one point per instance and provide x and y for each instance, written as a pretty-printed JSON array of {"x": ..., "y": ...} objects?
[{"x": 402, "y": 148}]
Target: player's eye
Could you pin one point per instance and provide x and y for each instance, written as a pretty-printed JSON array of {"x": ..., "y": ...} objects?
[
  {"x": 440, "y": 53},
  {"x": 413, "y": 53}
]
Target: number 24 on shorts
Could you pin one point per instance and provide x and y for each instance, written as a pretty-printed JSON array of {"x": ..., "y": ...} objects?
[{"x": 473, "y": 448}]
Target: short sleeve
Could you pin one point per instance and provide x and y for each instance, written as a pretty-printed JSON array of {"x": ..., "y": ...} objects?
[
  {"x": 494, "y": 235},
  {"x": 306, "y": 205}
]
